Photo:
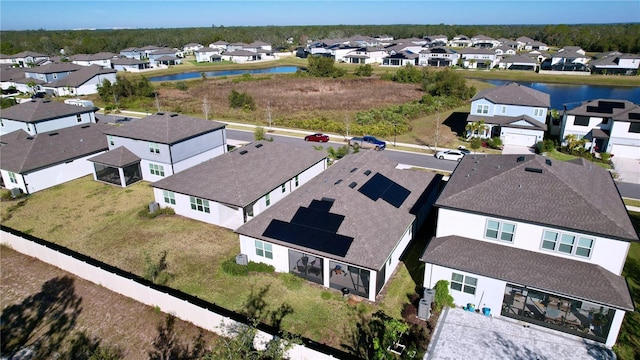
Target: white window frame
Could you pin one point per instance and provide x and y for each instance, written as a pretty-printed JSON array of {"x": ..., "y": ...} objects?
[
  {"x": 154, "y": 148},
  {"x": 267, "y": 199},
  {"x": 284, "y": 188},
  {"x": 169, "y": 197},
  {"x": 463, "y": 283},
  {"x": 501, "y": 231},
  {"x": 156, "y": 169},
  {"x": 199, "y": 204},
  {"x": 575, "y": 243},
  {"x": 79, "y": 118},
  {"x": 110, "y": 139},
  {"x": 538, "y": 112},
  {"x": 297, "y": 181},
  {"x": 482, "y": 109},
  {"x": 264, "y": 249},
  {"x": 12, "y": 177},
  {"x": 504, "y": 109}
]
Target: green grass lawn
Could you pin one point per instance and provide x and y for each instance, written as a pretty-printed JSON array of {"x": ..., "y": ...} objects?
[{"x": 102, "y": 221}]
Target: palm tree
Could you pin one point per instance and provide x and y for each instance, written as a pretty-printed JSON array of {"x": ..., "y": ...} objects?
[{"x": 476, "y": 128}]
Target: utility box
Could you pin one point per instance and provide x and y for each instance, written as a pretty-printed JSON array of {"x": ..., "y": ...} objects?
[
  {"x": 153, "y": 207},
  {"x": 424, "y": 309},
  {"x": 15, "y": 192},
  {"x": 242, "y": 259},
  {"x": 429, "y": 295}
]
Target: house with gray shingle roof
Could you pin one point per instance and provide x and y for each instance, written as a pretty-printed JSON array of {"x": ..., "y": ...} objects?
[
  {"x": 51, "y": 72},
  {"x": 129, "y": 64},
  {"x": 84, "y": 81},
  {"x": 25, "y": 59},
  {"x": 207, "y": 54},
  {"x": 347, "y": 228},
  {"x": 37, "y": 162},
  {"x": 42, "y": 115},
  {"x": 515, "y": 113},
  {"x": 102, "y": 59},
  {"x": 518, "y": 62},
  {"x": 478, "y": 58},
  {"x": 608, "y": 125},
  {"x": 240, "y": 56},
  {"x": 615, "y": 63},
  {"x": 239, "y": 184},
  {"x": 543, "y": 242},
  {"x": 165, "y": 143},
  {"x": 438, "y": 56}
]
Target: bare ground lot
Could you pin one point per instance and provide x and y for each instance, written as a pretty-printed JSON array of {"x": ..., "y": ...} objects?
[{"x": 117, "y": 320}]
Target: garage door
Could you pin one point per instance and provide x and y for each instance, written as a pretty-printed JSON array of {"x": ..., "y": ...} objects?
[
  {"x": 519, "y": 139},
  {"x": 626, "y": 151}
]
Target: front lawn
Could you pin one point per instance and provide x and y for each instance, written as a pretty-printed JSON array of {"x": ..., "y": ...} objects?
[{"x": 102, "y": 221}]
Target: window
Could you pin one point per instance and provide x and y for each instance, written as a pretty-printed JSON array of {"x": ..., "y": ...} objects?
[
  {"x": 567, "y": 243},
  {"x": 504, "y": 109},
  {"x": 500, "y": 230},
  {"x": 154, "y": 148},
  {"x": 581, "y": 120},
  {"x": 482, "y": 109},
  {"x": 297, "y": 181},
  {"x": 169, "y": 197},
  {"x": 538, "y": 112},
  {"x": 110, "y": 139},
  {"x": 264, "y": 249},
  {"x": 284, "y": 188},
  {"x": 156, "y": 169},
  {"x": 466, "y": 284},
  {"x": 198, "y": 204},
  {"x": 634, "y": 127},
  {"x": 12, "y": 177},
  {"x": 78, "y": 118},
  {"x": 268, "y": 199}
]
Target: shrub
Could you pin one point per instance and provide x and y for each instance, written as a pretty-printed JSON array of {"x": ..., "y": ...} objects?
[
  {"x": 232, "y": 268},
  {"x": 475, "y": 143},
  {"x": 605, "y": 157},
  {"x": 241, "y": 100},
  {"x": 260, "y": 267},
  {"x": 144, "y": 212},
  {"x": 181, "y": 85},
  {"x": 364, "y": 70},
  {"x": 156, "y": 271},
  {"x": 545, "y": 146},
  {"x": 442, "y": 297},
  {"x": 494, "y": 142}
]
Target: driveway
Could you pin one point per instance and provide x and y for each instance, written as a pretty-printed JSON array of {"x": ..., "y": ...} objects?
[
  {"x": 517, "y": 149},
  {"x": 627, "y": 169},
  {"x": 461, "y": 334}
]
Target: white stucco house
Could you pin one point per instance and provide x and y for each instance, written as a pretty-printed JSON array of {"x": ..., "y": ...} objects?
[
  {"x": 42, "y": 115},
  {"x": 478, "y": 58},
  {"x": 102, "y": 59},
  {"x": 438, "y": 56},
  {"x": 543, "y": 242},
  {"x": 157, "y": 146},
  {"x": 347, "y": 228},
  {"x": 40, "y": 161},
  {"x": 608, "y": 125},
  {"x": 207, "y": 54},
  {"x": 515, "y": 113},
  {"x": 240, "y": 184}
]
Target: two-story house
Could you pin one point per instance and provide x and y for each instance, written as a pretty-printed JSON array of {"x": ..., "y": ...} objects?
[
  {"x": 157, "y": 146},
  {"x": 483, "y": 41},
  {"x": 438, "y": 56},
  {"x": 570, "y": 58},
  {"x": 190, "y": 48},
  {"x": 515, "y": 113},
  {"x": 42, "y": 115},
  {"x": 518, "y": 62},
  {"x": 51, "y": 72},
  {"x": 347, "y": 228},
  {"x": 616, "y": 63},
  {"x": 34, "y": 162},
  {"x": 460, "y": 41},
  {"x": 608, "y": 125},
  {"x": 543, "y": 242},
  {"x": 26, "y": 59},
  {"x": 207, "y": 54},
  {"x": 240, "y": 184},
  {"x": 365, "y": 55},
  {"x": 102, "y": 59},
  {"x": 163, "y": 56},
  {"x": 129, "y": 64},
  {"x": 81, "y": 82},
  {"x": 478, "y": 58}
]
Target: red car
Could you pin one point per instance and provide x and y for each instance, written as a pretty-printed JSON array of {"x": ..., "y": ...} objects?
[{"x": 318, "y": 137}]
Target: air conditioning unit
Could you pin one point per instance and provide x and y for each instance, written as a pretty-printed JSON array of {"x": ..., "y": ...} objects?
[
  {"x": 153, "y": 207},
  {"x": 424, "y": 309},
  {"x": 242, "y": 259},
  {"x": 429, "y": 295},
  {"x": 15, "y": 192}
]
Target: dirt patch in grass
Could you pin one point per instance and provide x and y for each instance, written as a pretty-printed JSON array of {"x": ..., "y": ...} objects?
[{"x": 119, "y": 322}]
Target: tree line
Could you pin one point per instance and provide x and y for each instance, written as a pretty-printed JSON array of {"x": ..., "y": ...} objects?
[{"x": 591, "y": 37}]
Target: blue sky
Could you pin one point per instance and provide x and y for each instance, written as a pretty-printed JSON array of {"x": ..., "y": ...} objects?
[{"x": 74, "y": 14}]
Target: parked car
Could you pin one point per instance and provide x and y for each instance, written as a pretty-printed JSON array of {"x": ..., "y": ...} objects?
[
  {"x": 456, "y": 155},
  {"x": 318, "y": 137},
  {"x": 464, "y": 150},
  {"x": 367, "y": 142}
]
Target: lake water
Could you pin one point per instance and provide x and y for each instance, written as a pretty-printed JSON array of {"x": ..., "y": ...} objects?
[
  {"x": 198, "y": 74},
  {"x": 572, "y": 95}
]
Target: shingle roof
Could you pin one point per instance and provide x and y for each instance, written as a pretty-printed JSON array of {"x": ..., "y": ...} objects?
[
  {"x": 375, "y": 226},
  {"x": 128, "y": 61},
  {"x": 519, "y": 59},
  {"x": 239, "y": 178},
  {"x": 38, "y": 110},
  {"x": 508, "y": 121},
  {"x": 532, "y": 269},
  {"x": 608, "y": 108},
  {"x": 81, "y": 76},
  {"x": 93, "y": 57},
  {"x": 28, "y": 153},
  {"x": 118, "y": 157},
  {"x": 165, "y": 128},
  {"x": 54, "y": 68},
  {"x": 563, "y": 195},
  {"x": 515, "y": 94}
]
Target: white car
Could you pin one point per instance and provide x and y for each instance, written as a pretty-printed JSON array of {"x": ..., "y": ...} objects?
[{"x": 456, "y": 155}]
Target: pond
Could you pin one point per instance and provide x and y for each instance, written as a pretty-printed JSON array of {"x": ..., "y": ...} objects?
[
  {"x": 572, "y": 95},
  {"x": 198, "y": 74}
]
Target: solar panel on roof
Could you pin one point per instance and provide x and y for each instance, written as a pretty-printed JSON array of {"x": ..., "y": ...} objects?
[
  {"x": 634, "y": 116},
  {"x": 381, "y": 187},
  {"x": 315, "y": 239}
]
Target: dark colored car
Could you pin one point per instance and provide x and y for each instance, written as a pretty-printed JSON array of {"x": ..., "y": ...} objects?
[
  {"x": 317, "y": 137},
  {"x": 39, "y": 95}
]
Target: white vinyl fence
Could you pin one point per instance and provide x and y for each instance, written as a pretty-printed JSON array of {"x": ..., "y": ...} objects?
[{"x": 148, "y": 295}]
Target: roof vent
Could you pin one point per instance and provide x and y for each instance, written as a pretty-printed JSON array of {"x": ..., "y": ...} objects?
[
  {"x": 242, "y": 152},
  {"x": 173, "y": 115},
  {"x": 498, "y": 166},
  {"x": 84, "y": 126},
  {"x": 368, "y": 172},
  {"x": 353, "y": 184},
  {"x": 29, "y": 137},
  {"x": 520, "y": 159},
  {"x": 337, "y": 182},
  {"x": 548, "y": 162},
  {"x": 354, "y": 169},
  {"x": 258, "y": 145},
  {"x": 160, "y": 113},
  {"x": 53, "y": 134},
  {"x": 533, "y": 170}
]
